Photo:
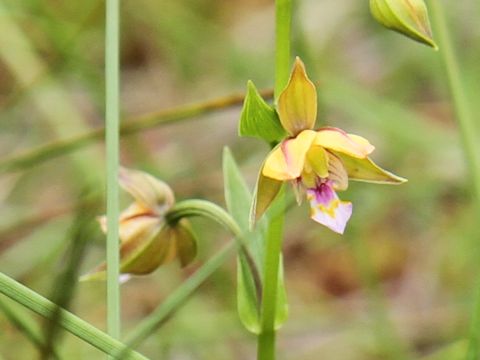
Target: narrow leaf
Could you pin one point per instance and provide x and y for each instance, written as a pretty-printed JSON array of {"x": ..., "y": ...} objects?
[
  {"x": 237, "y": 195},
  {"x": 247, "y": 298},
  {"x": 259, "y": 119},
  {"x": 238, "y": 200}
]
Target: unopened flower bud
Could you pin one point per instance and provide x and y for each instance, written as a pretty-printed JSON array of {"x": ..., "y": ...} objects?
[
  {"x": 147, "y": 239},
  {"x": 408, "y": 17}
]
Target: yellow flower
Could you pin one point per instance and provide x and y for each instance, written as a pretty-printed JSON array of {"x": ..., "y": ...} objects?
[
  {"x": 147, "y": 240},
  {"x": 317, "y": 162}
]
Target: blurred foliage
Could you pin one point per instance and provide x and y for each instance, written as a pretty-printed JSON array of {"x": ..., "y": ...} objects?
[{"x": 399, "y": 281}]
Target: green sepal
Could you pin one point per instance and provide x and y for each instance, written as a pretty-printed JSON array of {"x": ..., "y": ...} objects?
[
  {"x": 367, "y": 171},
  {"x": 259, "y": 119},
  {"x": 266, "y": 190}
]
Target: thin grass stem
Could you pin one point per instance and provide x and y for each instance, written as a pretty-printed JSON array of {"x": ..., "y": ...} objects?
[
  {"x": 73, "y": 324},
  {"x": 469, "y": 134},
  {"x": 26, "y": 325},
  {"x": 112, "y": 143},
  {"x": 463, "y": 109}
]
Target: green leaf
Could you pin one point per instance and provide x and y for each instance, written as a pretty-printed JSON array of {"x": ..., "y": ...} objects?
[
  {"x": 247, "y": 298},
  {"x": 237, "y": 195},
  {"x": 259, "y": 119},
  {"x": 238, "y": 200}
]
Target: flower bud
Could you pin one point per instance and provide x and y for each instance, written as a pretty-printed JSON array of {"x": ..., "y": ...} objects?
[
  {"x": 408, "y": 17},
  {"x": 147, "y": 239}
]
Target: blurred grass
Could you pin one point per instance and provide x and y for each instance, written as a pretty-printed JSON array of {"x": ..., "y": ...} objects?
[{"x": 419, "y": 237}]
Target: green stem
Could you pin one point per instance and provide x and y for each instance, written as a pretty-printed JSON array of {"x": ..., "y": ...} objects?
[
  {"x": 212, "y": 211},
  {"x": 468, "y": 129},
  {"x": 283, "y": 24},
  {"x": 26, "y": 325},
  {"x": 465, "y": 118},
  {"x": 112, "y": 144},
  {"x": 190, "y": 208},
  {"x": 78, "y": 327},
  {"x": 474, "y": 336},
  {"x": 267, "y": 336}
]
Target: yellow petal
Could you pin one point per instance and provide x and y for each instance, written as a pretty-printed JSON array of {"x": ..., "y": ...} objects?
[
  {"x": 317, "y": 159},
  {"x": 368, "y": 148},
  {"x": 366, "y": 170},
  {"x": 286, "y": 161},
  {"x": 139, "y": 226},
  {"x": 265, "y": 192},
  {"x": 297, "y": 104},
  {"x": 309, "y": 178},
  {"x": 147, "y": 190},
  {"x": 102, "y": 220},
  {"x": 338, "y": 140}
]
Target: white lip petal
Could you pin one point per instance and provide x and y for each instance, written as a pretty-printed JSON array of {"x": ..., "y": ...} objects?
[{"x": 327, "y": 209}]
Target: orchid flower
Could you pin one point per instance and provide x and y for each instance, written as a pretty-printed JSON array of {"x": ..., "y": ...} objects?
[
  {"x": 318, "y": 163},
  {"x": 147, "y": 239}
]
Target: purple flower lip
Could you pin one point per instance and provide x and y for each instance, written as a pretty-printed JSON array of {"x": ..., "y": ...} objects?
[
  {"x": 327, "y": 209},
  {"x": 324, "y": 194}
]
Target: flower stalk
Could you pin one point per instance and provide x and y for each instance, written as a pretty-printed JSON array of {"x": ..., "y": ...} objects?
[
  {"x": 112, "y": 143},
  {"x": 464, "y": 112},
  {"x": 266, "y": 338},
  {"x": 283, "y": 25},
  {"x": 469, "y": 135}
]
